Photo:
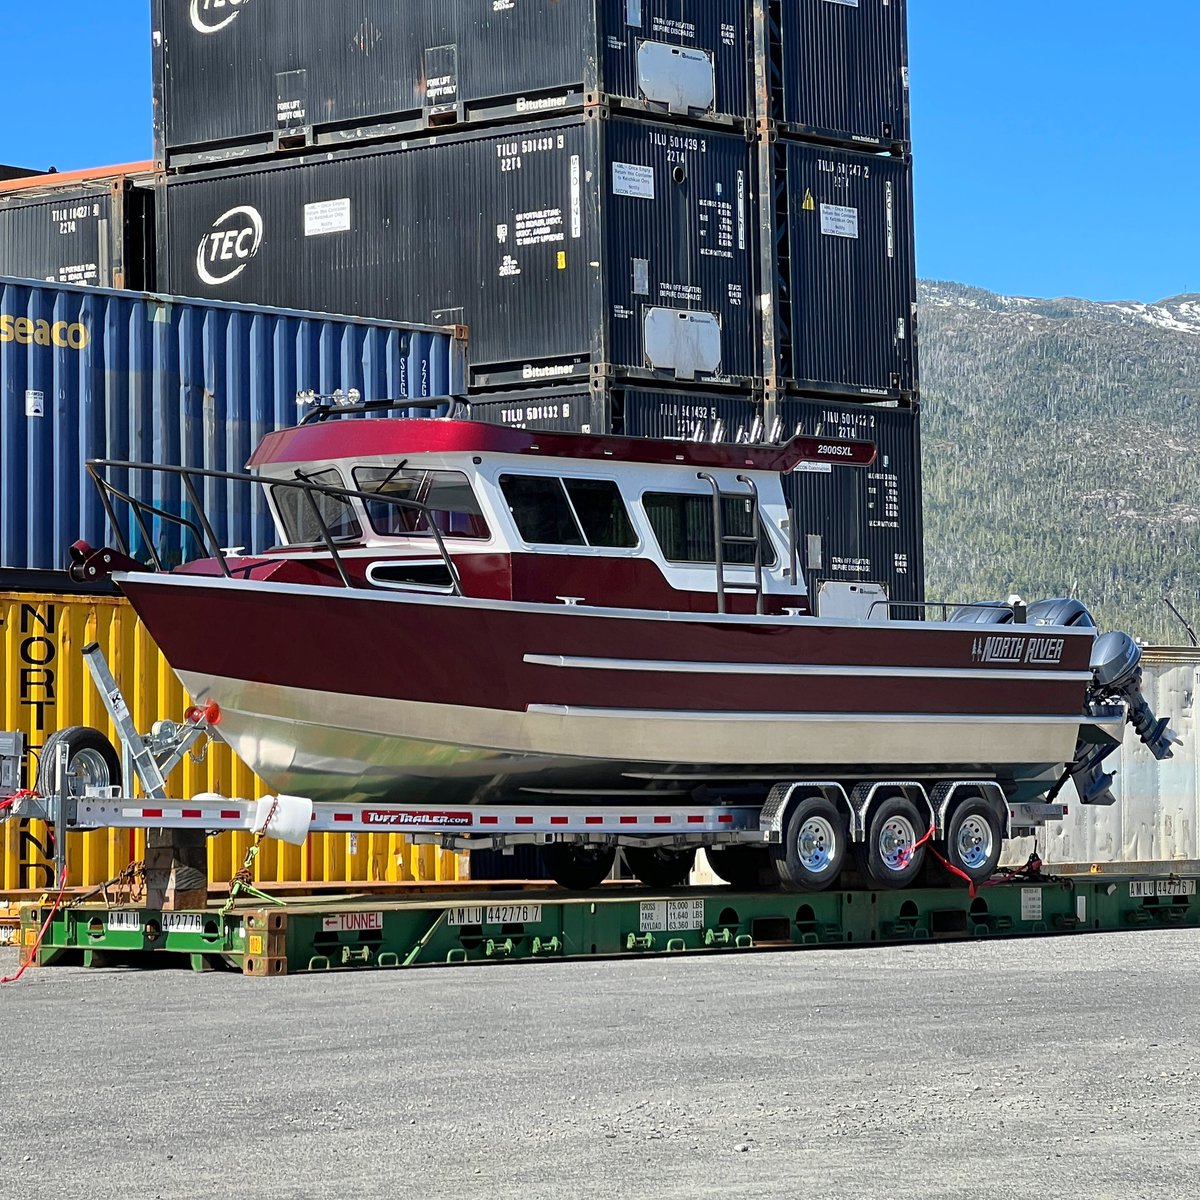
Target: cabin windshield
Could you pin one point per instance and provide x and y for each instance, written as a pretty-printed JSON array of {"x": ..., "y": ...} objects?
[
  {"x": 568, "y": 512},
  {"x": 446, "y": 495},
  {"x": 683, "y": 524},
  {"x": 303, "y": 517}
]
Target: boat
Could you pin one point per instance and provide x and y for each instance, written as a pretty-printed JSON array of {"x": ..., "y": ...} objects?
[{"x": 458, "y": 614}]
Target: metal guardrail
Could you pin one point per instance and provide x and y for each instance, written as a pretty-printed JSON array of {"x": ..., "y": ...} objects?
[{"x": 202, "y": 529}]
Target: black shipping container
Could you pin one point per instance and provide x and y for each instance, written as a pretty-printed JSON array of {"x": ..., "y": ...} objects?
[
  {"x": 855, "y": 525},
  {"x": 571, "y": 248},
  {"x": 96, "y": 234},
  {"x": 845, "y": 289},
  {"x": 8, "y": 173},
  {"x": 837, "y": 70},
  {"x": 860, "y": 525},
  {"x": 622, "y": 410},
  {"x": 234, "y": 79}
]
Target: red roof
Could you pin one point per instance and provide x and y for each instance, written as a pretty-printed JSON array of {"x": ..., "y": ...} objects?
[
  {"x": 336, "y": 439},
  {"x": 66, "y": 179}
]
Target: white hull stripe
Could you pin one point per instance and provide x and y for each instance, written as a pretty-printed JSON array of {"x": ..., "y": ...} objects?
[{"x": 807, "y": 669}]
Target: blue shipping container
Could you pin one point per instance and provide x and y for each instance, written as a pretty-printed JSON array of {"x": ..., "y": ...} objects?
[{"x": 87, "y": 373}]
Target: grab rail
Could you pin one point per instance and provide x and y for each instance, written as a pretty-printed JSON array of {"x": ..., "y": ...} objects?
[{"x": 204, "y": 532}]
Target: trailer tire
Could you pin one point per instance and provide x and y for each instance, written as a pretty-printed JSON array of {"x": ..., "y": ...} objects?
[
  {"x": 887, "y": 855},
  {"x": 974, "y": 839},
  {"x": 812, "y": 851},
  {"x": 747, "y": 868},
  {"x": 578, "y": 868},
  {"x": 660, "y": 867},
  {"x": 92, "y": 761}
]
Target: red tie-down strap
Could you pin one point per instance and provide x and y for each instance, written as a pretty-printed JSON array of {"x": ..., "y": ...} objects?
[{"x": 972, "y": 890}]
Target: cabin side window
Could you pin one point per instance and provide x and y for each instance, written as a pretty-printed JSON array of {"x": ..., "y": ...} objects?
[
  {"x": 684, "y": 526},
  {"x": 303, "y": 511},
  {"x": 445, "y": 496},
  {"x": 571, "y": 512}
]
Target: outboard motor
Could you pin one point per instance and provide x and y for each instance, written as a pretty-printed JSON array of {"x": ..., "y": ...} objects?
[
  {"x": 1068, "y": 612},
  {"x": 989, "y": 612},
  {"x": 1117, "y": 679}
]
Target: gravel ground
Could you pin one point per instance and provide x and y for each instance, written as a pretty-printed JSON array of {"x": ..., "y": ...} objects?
[{"x": 1062, "y": 1067}]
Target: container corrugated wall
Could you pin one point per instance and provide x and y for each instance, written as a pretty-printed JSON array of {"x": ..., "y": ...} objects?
[
  {"x": 45, "y": 685},
  {"x": 570, "y": 248},
  {"x": 96, "y": 234},
  {"x": 87, "y": 373},
  {"x": 839, "y": 69},
  {"x": 1156, "y": 818},
  {"x": 311, "y": 72}
]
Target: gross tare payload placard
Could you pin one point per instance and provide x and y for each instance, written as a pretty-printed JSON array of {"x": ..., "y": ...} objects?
[{"x": 669, "y": 916}]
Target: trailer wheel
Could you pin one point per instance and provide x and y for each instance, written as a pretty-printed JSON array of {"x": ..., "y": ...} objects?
[
  {"x": 812, "y": 851},
  {"x": 92, "y": 761},
  {"x": 974, "y": 839},
  {"x": 578, "y": 868},
  {"x": 887, "y": 855},
  {"x": 659, "y": 866},
  {"x": 747, "y": 868}
]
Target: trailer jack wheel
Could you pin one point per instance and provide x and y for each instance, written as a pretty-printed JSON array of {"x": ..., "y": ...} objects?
[
  {"x": 578, "y": 868},
  {"x": 659, "y": 867}
]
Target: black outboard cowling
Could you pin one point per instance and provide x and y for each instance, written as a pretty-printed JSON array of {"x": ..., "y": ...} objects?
[
  {"x": 989, "y": 612},
  {"x": 1064, "y": 611}
]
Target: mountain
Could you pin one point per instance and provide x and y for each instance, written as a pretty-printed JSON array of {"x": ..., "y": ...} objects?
[{"x": 1062, "y": 452}]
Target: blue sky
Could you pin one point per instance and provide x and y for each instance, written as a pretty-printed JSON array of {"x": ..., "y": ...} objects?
[{"x": 1056, "y": 144}]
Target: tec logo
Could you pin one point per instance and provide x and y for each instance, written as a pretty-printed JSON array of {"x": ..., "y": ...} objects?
[
  {"x": 211, "y": 16},
  {"x": 226, "y": 250}
]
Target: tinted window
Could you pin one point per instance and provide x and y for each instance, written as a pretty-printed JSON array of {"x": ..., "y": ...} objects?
[
  {"x": 540, "y": 509},
  {"x": 683, "y": 525},
  {"x": 446, "y": 495},
  {"x": 300, "y": 523},
  {"x": 601, "y": 512}
]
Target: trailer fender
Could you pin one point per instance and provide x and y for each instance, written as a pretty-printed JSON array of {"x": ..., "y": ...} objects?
[
  {"x": 947, "y": 795},
  {"x": 866, "y": 795},
  {"x": 784, "y": 795}
]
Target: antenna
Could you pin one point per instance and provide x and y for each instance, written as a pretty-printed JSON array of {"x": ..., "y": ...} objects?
[{"x": 1182, "y": 619}]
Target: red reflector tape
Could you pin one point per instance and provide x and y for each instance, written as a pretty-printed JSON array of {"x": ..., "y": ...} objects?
[
  {"x": 489, "y": 820},
  {"x": 662, "y": 820},
  {"x": 230, "y": 814},
  {"x": 593, "y": 820},
  {"x": 343, "y": 816},
  {"x": 151, "y": 812},
  {"x": 725, "y": 818},
  {"x": 524, "y": 820},
  {"x": 192, "y": 814},
  {"x": 629, "y": 820},
  {"x": 558, "y": 820},
  {"x": 695, "y": 819}
]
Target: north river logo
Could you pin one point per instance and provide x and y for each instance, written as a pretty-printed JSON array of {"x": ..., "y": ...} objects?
[
  {"x": 1040, "y": 651},
  {"x": 226, "y": 250},
  {"x": 211, "y": 16}
]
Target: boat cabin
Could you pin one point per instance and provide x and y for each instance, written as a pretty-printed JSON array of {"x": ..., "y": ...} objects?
[{"x": 505, "y": 514}]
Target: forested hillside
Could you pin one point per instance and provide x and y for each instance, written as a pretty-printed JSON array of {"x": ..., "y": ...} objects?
[{"x": 1062, "y": 452}]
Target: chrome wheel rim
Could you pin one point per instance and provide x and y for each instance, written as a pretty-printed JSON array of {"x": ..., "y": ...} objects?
[
  {"x": 974, "y": 842},
  {"x": 896, "y": 840},
  {"x": 87, "y": 769},
  {"x": 816, "y": 845}
]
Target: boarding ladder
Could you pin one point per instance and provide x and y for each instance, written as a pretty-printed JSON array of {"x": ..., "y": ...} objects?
[{"x": 722, "y": 540}]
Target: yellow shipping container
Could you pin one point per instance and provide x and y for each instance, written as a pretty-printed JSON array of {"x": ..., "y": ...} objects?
[{"x": 45, "y": 686}]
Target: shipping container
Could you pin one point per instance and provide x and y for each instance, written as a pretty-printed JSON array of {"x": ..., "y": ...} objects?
[
  {"x": 45, "y": 686},
  {"x": 94, "y": 228},
  {"x": 88, "y": 373},
  {"x": 571, "y": 249},
  {"x": 856, "y": 527},
  {"x": 1156, "y": 818},
  {"x": 837, "y": 70},
  {"x": 841, "y": 251},
  {"x": 8, "y": 173},
  {"x": 240, "y": 80}
]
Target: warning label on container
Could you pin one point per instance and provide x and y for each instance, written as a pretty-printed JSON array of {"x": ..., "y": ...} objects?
[
  {"x": 539, "y": 227},
  {"x": 837, "y": 220},
  {"x": 35, "y": 404},
  {"x": 668, "y": 916},
  {"x": 327, "y": 216},
  {"x": 1031, "y": 904},
  {"x": 629, "y": 179}
]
